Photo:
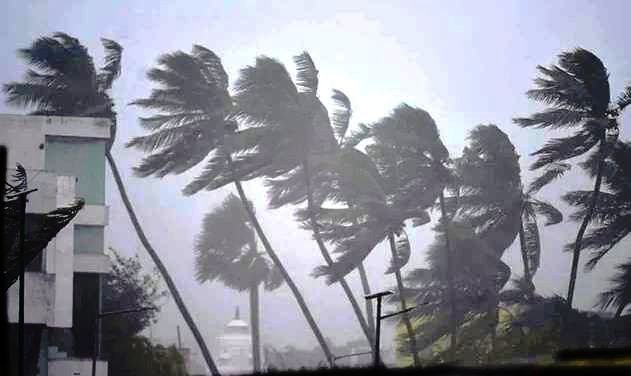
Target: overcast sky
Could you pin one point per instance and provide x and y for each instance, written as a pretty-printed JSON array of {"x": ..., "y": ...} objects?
[{"x": 466, "y": 62}]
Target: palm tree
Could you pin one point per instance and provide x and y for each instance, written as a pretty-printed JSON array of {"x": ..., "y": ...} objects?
[
  {"x": 65, "y": 82},
  {"x": 226, "y": 251},
  {"x": 294, "y": 138},
  {"x": 401, "y": 184},
  {"x": 197, "y": 121},
  {"x": 614, "y": 220},
  {"x": 578, "y": 95},
  {"x": 485, "y": 212}
]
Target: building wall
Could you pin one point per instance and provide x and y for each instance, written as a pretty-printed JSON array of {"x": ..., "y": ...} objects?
[{"x": 65, "y": 159}]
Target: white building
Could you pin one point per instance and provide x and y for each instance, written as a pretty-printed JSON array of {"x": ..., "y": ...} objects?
[
  {"x": 235, "y": 347},
  {"x": 65, "y": 159}
]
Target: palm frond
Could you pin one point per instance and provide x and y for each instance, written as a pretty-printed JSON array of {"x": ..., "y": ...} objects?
[
  {"x": 112, "y": 68},
  {"x": 532, "y": 244},
  {"x": 553, "y": 171},
  {"x": 213, "y": 64},
  {"x": 553, "y": 215},
  {"x": 559, "y": 149},
  {"x": 307, "y": 74},
  {"x": 403, "y": 251},
  {"x": 358, "y": 135},
  {"x": 341, "y": 115},
  {"x": 553, "y": 118},
  {"x": 618, "y": 295},
  {"x": 265, "y": 94}
]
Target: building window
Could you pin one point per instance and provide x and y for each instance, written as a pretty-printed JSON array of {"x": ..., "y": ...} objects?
[
  {"x": 86, "y": 302},
  {"x": 88, "y": 239}
]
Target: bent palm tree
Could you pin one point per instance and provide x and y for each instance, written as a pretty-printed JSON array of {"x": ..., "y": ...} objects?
[
  {"x": 226, "y": 251},
  {"x": 577, "y": 91},
  {"x": 401, "y": 184},
  {"x": 295, "y": 140},
  {"x": 196, "y": 122},
  {"x": 613, "y": 213},
  {"x": 66, "y": 83}
]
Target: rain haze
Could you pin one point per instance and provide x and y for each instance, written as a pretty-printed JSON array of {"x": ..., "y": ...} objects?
[{"x": 466, "y": 63}]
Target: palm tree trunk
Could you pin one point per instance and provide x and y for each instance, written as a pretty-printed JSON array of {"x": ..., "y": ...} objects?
[
  {"x": 327, "y": 257},
  {"x": 292, "y": 286},
  {"x": 406, "y": 317},
  {"x": 450, "y": 283},
  {"x": 370, "y": 315},
  {"x": 161, "y": 267},
  {"x": 586, "y": 220},
  {"x": 524, "y": 256},
  {"x": 254, "y": 324}
]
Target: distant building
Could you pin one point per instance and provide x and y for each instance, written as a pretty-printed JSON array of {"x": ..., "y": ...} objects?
[
  {"x": 235, "y": 347},
  {"x": 65, "y": 159}
]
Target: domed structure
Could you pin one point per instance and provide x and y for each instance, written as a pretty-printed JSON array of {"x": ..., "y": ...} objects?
[{"x": 235, "y": 346}]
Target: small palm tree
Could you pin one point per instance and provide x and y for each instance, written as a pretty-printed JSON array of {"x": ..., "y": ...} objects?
[
  {"x": 613, "y": 214},
  {"x": 226, "y": 251},
  {"x": 294, "y": 140},
  {"x": 65, "y": 82},
  {"x": 197, "y": 121},
  {"x": 577, "y": 91}
]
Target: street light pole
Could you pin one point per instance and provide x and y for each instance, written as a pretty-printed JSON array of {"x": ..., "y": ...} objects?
[
  {"x": 379, "y": 296},
  {"x": 98, "y": 317}
]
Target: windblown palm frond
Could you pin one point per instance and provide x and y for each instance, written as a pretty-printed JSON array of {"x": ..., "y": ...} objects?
[
  {"x": 612, "y": 209},
  {"x": 193, "y": 119},
  {"x": 618, "y": 296},
  {"x": 342, "y": 115},
  {"x": 40, "y": 230}
]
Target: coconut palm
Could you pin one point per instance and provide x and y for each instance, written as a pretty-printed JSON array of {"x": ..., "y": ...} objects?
[
  {"x": 404, "y": 181},
  {"x": 196, "y": 121},
  {"x": 226, "y": 251},
  {"x": 295, "y": 141},
  {"x": 485, "y": 213},
  {"x": 578, "y": 95},
  {"x": 613, "y": 215},
  {"x": 65, "y": 82}
]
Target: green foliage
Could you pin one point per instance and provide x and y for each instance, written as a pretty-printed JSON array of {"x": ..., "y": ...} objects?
[
  {"x": 128, "y": 287},
  {"x": 138, "y": 356}
]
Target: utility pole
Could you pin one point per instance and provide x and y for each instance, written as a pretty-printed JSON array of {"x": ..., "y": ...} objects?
[
  {"x": 378, "y": 317},
  {"x": 22, "y": 200},
  {"x": 179, "y": 339}
]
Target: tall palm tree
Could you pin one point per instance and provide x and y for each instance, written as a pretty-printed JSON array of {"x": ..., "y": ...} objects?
[
  {"x": 401, "y": 184},
  {"x": 197, "y": 121},
  {"x": 65, "y": 82},
  {"x": 226, "y": 251},
  {"x": 295, "y": 139},
  {"x": 613, "y": 215},
  {"x": 485, "y": 213},
  {"x": 578, "y": 95}
]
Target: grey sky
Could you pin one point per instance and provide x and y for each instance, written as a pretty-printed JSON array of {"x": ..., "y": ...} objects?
[{"x": 466, "y": 62}]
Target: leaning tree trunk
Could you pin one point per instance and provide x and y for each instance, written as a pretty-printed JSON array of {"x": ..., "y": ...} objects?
[
  {"x": 161, "y": 267},
  {"x": 586, "y": 220},
  {"x": 327, "y": 257},
  {"x": 292, "y": 286},
  {"x": 450, "y": 282},
  {"x": 254, "y": 323},
  {"x": 370, "y": 315},
  {"x": 406, "y": 317}
]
